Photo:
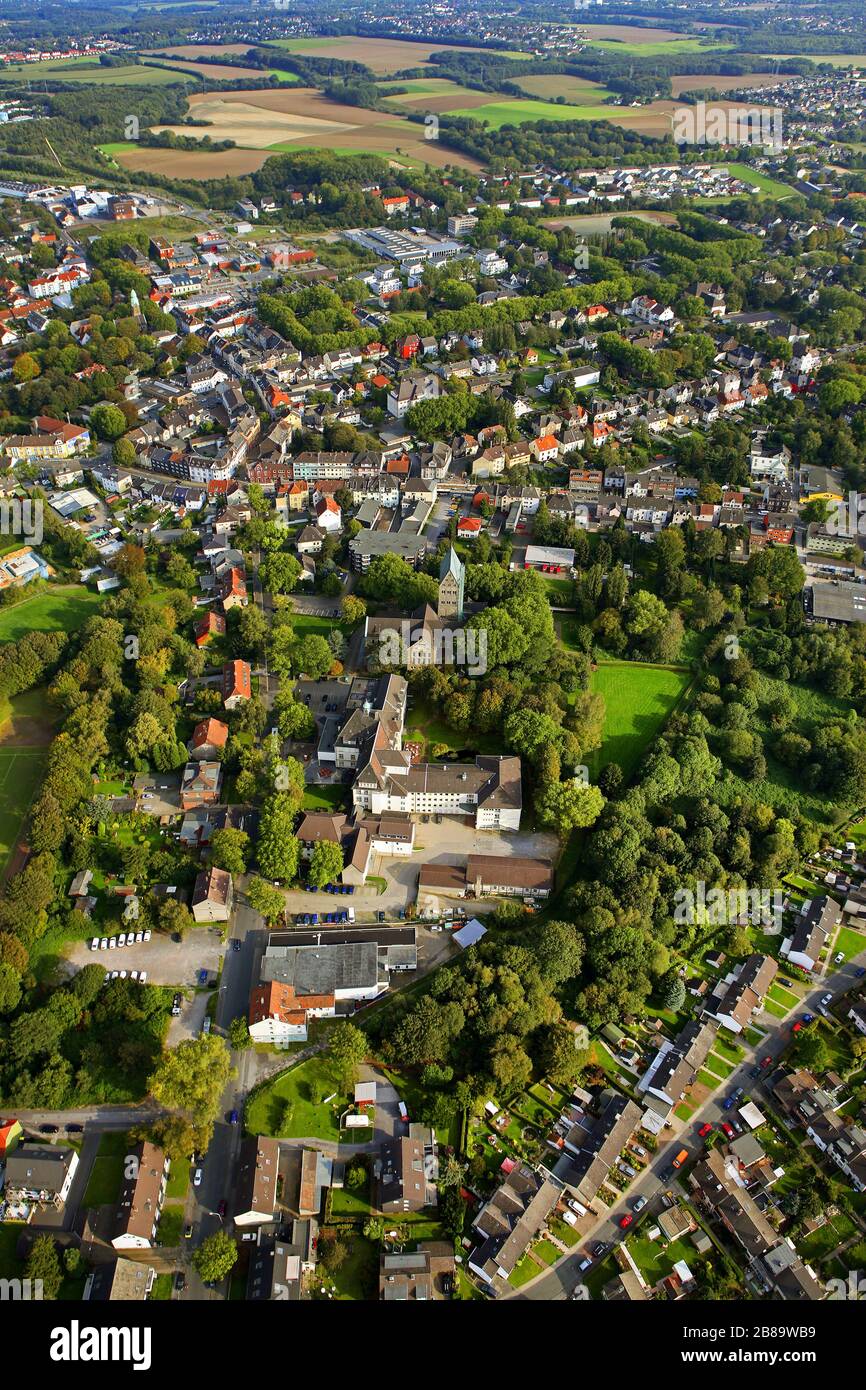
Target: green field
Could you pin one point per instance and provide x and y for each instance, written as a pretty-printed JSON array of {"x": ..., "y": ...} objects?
[
  {"x": 639, "y": 700},
  {"x": 85, "y": 70},
  {"x": 773, "y": 187},
  {"x": 60, "y": 609},
  {"x": 20, "y": 775},
  {"x": 662, "y": 48},
  {"x": 516, "y": 112},
  {"x": 106, "y": 1174},
  {"x": 310, "y": 1119}
]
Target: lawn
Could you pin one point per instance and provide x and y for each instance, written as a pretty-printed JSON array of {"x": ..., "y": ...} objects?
[
  {"x": 639, "y": 700},
  {"x": 655, "y": 1260},
  {"x": 426, "y": 726},
  {"x": 20, "y": 774},
  {"x": 356, "y": 1279},
  {"x": 301, "y": 1087},
  {"x": 59, "y": 609},
  {"x": 170, "y": 1228},
  {"x": 106, "y": 1175},
  {"x": 849, "y": 942},
  {"x": 327, "y": 798},
  {"x": 661, "y": 48}
]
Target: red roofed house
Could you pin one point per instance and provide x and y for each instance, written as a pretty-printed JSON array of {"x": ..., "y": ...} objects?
[
  {"x": 328, "y": 514},
  {"x": 208, "y": 739},
  {"x": 10, "y": 1135},
  {"x": 237, "y": 683},
  {"x": 211, "y": 625},
  {"x": 409, "y": 346},
  {"x": 279, "y": 1017},
  {"x": 545, "y": 449},
  {"x": 396, "y": 204},
  {"x": 468, "y": 527},
  {"x": 234, "y": 590}
]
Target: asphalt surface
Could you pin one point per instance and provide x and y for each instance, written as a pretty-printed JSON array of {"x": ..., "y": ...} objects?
[{"x": 561, "y": 1279}]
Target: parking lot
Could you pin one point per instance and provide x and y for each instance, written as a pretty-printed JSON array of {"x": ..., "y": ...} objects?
[
  {"x": 159, "y": 793},
  {"x": 167, "y": 962},
  {"x": 448, "y": 842}
]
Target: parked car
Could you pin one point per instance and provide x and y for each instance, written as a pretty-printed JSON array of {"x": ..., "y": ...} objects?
[
  {"x": 599, "y": 1249},
  {"x": 826, "y": 999},
  {"x": 197, "y": 1177},
  {"x": 180, "y": 1281},
  {"x": 728, "y": 1129},
  {"x": 625, "y": 1221},
  {"x": 639, "y": 1203},
  {"x": 860, "y": 972},
  {"x": 49, "y": 1129},
  {"x": 766, "y": 1062},
  {"x": 187, "y": 1231},
  {"x": 112, "y": 943},
  {"x": 728, "y": 1103},
  {"x": 234, "y": 1117},
  {"x": 94, "y": 945},
  {"x": 808, "y": 1018},
  {"x": 103, "y": 945},
  {"x": 704, "y": 1130},
  {"x": 75, "y": 1129},
  {"x": 738, "y": 1092},
  {"x": 754, "y": 1072},
  {"x": 236, "y": 945},
  {"x": 839, "y": 957}
]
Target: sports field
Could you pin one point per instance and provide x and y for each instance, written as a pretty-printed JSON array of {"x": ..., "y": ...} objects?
[
  {"x": 60, "y": 609},
  {"x": 25, "y": 732},
  {"x": 639, "y": 700}
]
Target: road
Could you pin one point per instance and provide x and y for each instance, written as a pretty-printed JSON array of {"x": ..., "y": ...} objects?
[{"x": 561, "y": 1279}]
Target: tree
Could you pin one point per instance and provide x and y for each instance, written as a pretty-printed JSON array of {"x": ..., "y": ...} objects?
[
  {"x": 326, "y": 863},
  {"x": 230, "y": 849},
  {"x": 347, "y": 1048},
  {"x": 672, "y": 991},
  {"x": 312, "y": 657},
  {"x": 123, "y": 453},
  {"x": 215, "y": 1258},
  {"x": 354, "y": 610},
  {"x": 278, "y": 850},
  {"x": 191, "y": 1077},
  {"x": 280, "y": 572},
  {"x": 26, "y": 368},
  {"x": 269, "y": 901},
  {"x": 108, "y": 421},
  {"x": 43, "y": 1264},
  {"x": 239, "y": 1033},
  {"x": 567, "y": 806},
  {"x": 559, "y": 1056}
]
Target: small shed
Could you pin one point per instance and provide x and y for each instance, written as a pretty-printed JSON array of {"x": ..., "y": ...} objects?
[
  {"x": 365, "y": 1093},
  {"x": 470, "y": 934}
]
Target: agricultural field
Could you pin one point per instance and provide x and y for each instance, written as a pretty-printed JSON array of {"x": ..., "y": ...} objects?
[
  {"x": 578, "y": 91},
  {"x": 382, "y": 56},
  {"x": 433, "y": 94},
  {"x": 836, "y": 60},
  {"x": 278, "y": 120},
  {"x": 653, "y": 119},
  {"x": 698, "y": 81},
  {"x": 225, "y": 72},
  {"x": 84, "y": 70},
  {"x": 600, "y": 223},
  {"x": 630, "y": 33},
  {"x": 639, "y": 701},
  {"x": 664, "y": 48},
  {"x": 187, "y": 164}
]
